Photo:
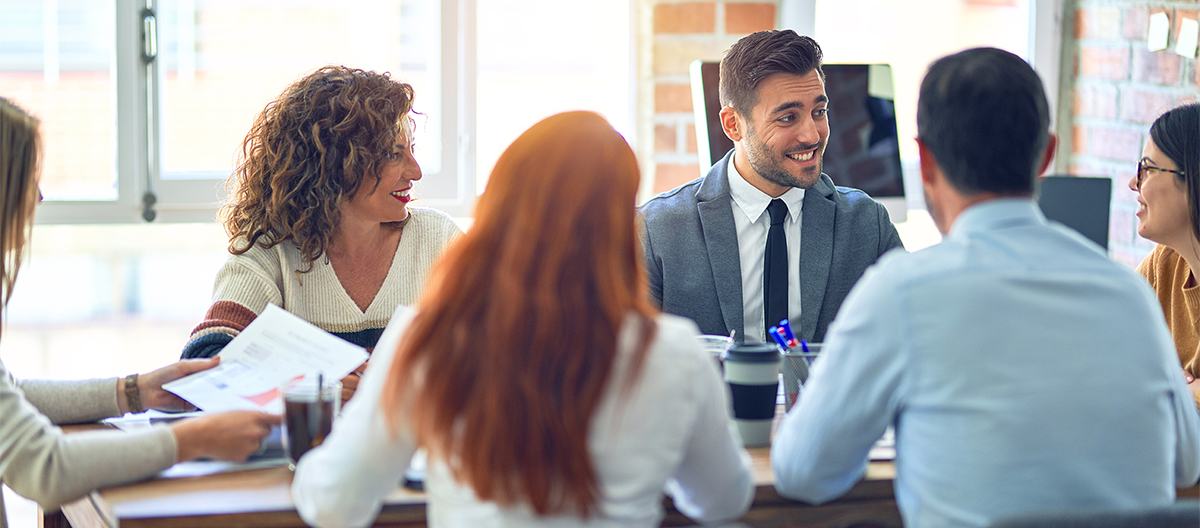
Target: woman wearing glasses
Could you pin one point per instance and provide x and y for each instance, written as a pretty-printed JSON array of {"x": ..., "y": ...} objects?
[{"x": 1168, "y": 187}]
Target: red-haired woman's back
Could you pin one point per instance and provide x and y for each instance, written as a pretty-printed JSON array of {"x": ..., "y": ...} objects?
[{"x": 544, "y": 385}]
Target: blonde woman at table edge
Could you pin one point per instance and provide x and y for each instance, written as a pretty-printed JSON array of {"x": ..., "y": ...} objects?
[
  {"x": 546, "y": 388},
  {"x": 36, "y": 460},
  {"x": 1168, "y": 185}
]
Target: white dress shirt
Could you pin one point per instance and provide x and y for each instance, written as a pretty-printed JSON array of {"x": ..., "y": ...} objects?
[
  {"x": 670, "y": 431},
  {"x": 1022, "y": 369},
  {"x": 752, "y": 223}
]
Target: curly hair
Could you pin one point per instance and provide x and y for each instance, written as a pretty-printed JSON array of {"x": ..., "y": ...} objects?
[{"x": 310, "y": 150}]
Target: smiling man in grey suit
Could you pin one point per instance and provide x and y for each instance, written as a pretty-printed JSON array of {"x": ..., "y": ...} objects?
[{"x": 765, "y": 235}]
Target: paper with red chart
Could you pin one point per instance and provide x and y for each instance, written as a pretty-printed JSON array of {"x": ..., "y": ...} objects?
[{"x": 275, "y": 348}]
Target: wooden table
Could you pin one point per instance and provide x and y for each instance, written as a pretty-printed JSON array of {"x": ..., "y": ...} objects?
[{"x": 263, "y": 498}]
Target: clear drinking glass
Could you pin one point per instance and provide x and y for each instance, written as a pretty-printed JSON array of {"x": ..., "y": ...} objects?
[{"x": 308, "y": 414}]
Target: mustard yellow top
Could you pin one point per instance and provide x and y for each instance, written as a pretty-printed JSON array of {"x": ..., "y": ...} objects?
[{"x": 1179, "y": 294}]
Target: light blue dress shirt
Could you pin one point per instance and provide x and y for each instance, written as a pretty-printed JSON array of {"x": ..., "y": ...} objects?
[{"x": 1021, "y": 368}]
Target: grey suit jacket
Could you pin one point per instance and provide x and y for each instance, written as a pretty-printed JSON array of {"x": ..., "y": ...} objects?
[{"x": 692, "y": 257}]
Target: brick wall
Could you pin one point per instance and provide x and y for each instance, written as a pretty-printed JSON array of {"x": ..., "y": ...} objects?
[
  {"x": 684, "y": 31},
  {"x": 1118, "y": 89}
]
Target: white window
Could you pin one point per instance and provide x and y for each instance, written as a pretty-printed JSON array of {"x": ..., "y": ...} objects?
[
  {"x": 57, "y": 61},
  {"x": 567, "y": 55},
  {"x": 145, "y": 104}
]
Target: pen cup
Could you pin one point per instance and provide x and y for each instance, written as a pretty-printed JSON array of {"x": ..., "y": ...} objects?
[
  {"x": 796, "y": 363},
  {"x": 752, "y": 372},
  {"x": 308, "y": 415}
]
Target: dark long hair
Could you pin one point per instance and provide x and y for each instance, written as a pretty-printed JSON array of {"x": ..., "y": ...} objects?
[
  {"x": 516, "y": 335},
  {"x": 308, "y": 151},
  {"x": 1177, "y": 134}
]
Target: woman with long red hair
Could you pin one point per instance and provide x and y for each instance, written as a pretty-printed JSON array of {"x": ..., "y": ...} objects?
[{"x": 546, "y": 388}]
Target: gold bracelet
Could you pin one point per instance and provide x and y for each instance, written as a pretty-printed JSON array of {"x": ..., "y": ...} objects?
[{"x": 133, "y": 396}]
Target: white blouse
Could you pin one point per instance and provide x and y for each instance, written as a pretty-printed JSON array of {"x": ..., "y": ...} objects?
[{"x": 670, "y": 433}]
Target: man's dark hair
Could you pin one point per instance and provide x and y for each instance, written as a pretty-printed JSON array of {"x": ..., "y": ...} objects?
[
  {"x": 759, "y": 55},
  {"x": 983, "y": 113}
]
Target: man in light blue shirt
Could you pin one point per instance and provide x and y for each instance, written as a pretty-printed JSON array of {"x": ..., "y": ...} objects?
[{"x": 1022, "y": 369}]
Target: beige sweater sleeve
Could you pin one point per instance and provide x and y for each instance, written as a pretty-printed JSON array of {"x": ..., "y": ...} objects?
[
  {"x": 41, "y": 463},
  {"x": 67, "y": 402}
]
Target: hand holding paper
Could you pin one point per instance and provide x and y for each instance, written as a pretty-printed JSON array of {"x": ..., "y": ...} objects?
[{"x": 275, "y": 348}]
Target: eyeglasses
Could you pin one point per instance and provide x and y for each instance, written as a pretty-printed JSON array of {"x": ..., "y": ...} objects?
[{"x": 1144, "y": 167}]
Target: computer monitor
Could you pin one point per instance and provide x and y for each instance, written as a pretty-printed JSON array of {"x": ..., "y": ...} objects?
[
  {"x": 863, "y": 149},
  {"x": 1079, "y": 202}
]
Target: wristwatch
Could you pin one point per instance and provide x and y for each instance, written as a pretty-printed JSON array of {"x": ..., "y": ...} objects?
[{"x": 133, "y": 397}]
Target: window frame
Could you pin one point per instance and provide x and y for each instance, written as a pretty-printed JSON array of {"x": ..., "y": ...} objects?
[{"x": 137, "y": 109}]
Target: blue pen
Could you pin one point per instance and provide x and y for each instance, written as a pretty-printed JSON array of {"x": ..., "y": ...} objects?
[
  {"x": 803, "y": 345},
  {"x": 774, "y": 333},
  {"x": 787, "y": 333},
  {"x": 781, "y": 338}
]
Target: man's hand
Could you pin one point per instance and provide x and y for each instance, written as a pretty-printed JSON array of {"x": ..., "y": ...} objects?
[
  {"x": 150, "y": 384},
  {"x": 231, "y": 436}
]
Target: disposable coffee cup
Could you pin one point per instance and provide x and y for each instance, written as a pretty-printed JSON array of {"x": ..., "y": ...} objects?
[
  {"x": 752, "y": 372},
  {"x": 308, "y": 414},
  {"x": 796, "y": 365}
]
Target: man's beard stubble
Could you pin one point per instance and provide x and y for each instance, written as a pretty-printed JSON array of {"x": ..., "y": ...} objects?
[{"x": 769, "y": 166}]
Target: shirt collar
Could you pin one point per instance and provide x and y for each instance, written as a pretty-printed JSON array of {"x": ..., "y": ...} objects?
[
  {"x": 996, "y": 213},
  {"x": 753, "y": 202}
]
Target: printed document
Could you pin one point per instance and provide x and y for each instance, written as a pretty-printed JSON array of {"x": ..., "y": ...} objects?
[{"x": 277, "y": 347}]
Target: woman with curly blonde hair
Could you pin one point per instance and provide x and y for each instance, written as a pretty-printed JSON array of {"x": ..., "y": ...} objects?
[{"x": 319, "y": 221}]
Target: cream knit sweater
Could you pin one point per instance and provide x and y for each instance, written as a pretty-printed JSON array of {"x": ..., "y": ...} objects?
[{"x": 251, "y": 280}]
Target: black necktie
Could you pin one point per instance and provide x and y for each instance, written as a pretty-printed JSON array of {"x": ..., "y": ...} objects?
[{"x": 775, "y": 268}]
